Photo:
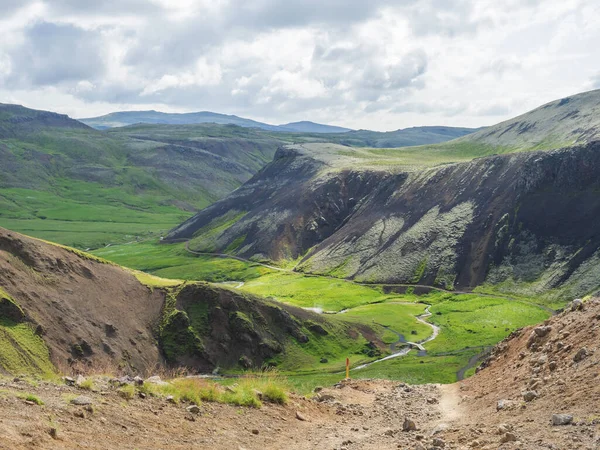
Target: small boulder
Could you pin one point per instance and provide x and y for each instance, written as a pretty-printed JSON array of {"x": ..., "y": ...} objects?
[
  {"x": 194, "y": 409},
  {"x": 139, "y": 381},
  {"x": 300, "y": 417},
  {"x": 82, "y": 400},
  {"x": 409, "y": 425},
  {"x": 79, "y": 380},
  {"x": 577, "y": 305},
  {"x": 561, "y": 419},
  {"x": 529, "y": 396},
  {"x": 69, "y": 381},
  {"x": 504, "y": 405},
  {"x": 438, "y": 442},
  {"x": 580, "y": 355},
  {"x": 508, "y": 437},
  {"x": 542, "y": 331}
]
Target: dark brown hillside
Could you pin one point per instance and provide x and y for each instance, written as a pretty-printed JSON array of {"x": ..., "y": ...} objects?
[
  {"x": 524, "y": 217},
  {"x": 85, "y": 309}
]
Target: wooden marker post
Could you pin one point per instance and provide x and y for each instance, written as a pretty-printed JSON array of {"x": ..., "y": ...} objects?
[{"x": 347, "y": 368}]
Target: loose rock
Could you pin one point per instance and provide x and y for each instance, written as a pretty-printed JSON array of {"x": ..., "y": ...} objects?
[
  {"x": 194, "y": 409},
  {"x": 561, "y": 419},
  {"x": 409, "y": 425},
  {"x": 299, "y": 416},
  {"x": 82, "y": 400}
]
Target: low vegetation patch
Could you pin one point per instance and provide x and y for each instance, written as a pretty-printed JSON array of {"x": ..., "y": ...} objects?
[{"x": 249, "y": 391}]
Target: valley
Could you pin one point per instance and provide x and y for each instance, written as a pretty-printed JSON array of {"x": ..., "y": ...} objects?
[{"x": 234, "y": 260}]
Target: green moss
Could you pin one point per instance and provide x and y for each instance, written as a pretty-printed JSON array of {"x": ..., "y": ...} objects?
[
  {"x": 177, "y": 337},
  {"x": 22, "y": 351},
  {"x": 420, "y": 271}
]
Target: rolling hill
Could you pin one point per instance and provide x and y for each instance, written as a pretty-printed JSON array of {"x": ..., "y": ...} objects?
[
  {"x": 125, "y": 118},
  {"x": 451, "y": 215},
  {"x": 64, "y": 181}
]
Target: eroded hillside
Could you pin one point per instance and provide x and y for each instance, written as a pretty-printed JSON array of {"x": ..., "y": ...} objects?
[
  {"x": 66, "y": 308},
  {"x": 506, "y": 220}
]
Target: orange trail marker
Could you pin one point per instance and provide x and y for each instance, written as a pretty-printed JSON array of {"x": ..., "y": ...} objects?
[{"x": 347, "y": 368}]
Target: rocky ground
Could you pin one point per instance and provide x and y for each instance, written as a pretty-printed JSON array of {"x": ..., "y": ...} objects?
[
  {"x": 539, "y": 390},
  {"x": 351, "y": 415}
]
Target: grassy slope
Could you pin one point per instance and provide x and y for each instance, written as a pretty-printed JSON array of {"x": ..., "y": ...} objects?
[
  {"x": 62, "y": 181},
  {"x": 467, "y": 322},
  {"x": 21, "y": 350}
]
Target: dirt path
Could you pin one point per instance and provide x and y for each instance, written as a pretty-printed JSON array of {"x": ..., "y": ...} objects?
[{"x": 352, "y": 415}]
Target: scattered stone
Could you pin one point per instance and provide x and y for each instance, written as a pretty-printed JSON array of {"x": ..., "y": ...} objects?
[
  {"x": 504, "y": 428},
  {"x": 388, "y": 433},
  {"x": 142, "y": 395},
  {"x": 82, "y": 400},
  {"x": 80, "y": 414},
  {"x": 324, "y": 398},
  {"x": 299, "y": 416},
  {"x": 69, "y": 381},
  {"x": 504, "y": 405},
  {"x": 542, "y": 331},
  {"x": 580, "y": 355},
  {"x": 155, "y": 380},
  {"x": 561, "y": 419},
  {"x": 171, "y": 399},
  {"x": 577, "y": 305},
  {"x": 529, "y": 396},
  {"x": 508, "y": 437},
  {"x": 439, "y": 442},
  {"x": 432, "y": 401},
  {"x": 79, "y": 380},
  {"x": 194, "y": 409},
  {"x": 409, "y": 425},
  {"x": 552, "y": 366},
  {"x": 318, "y": 389},
  {"x": 324, "y": 361},
  {"x": 54, "y": 433},
  {"x": 255, "y": 431},
  {"x": 29, "y": 402},
  {"x": 139, "y": 381}
]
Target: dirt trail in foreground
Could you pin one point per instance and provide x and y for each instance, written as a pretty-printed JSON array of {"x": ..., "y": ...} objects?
[{"x": 353, "y": 415}]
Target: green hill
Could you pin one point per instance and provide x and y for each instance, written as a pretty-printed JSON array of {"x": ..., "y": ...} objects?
[{"x": 64, "y": 181}]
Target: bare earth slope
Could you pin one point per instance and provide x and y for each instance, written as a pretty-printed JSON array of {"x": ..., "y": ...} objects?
[
  {"x": 86, "y": 309},
  {"x": 558, "y": 361}
]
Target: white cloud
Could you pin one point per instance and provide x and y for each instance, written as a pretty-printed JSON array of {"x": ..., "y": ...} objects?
[{"x": 381, "y": 64}]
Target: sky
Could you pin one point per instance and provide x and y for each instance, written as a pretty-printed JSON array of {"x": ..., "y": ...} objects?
[{"x": 376, "y": 64}]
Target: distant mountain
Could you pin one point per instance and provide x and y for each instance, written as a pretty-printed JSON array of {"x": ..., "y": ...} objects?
[
  {"x": 400, "y": 138},
  {"x": 16, "y": 120},
  {"x": 311, "y": 127},
  {"x": 125, "y": 118}
]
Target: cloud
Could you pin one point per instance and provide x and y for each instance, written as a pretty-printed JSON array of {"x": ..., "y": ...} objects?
[
  {"x": 382, "y": 64},
  {"x": 52, "y": 54}
]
